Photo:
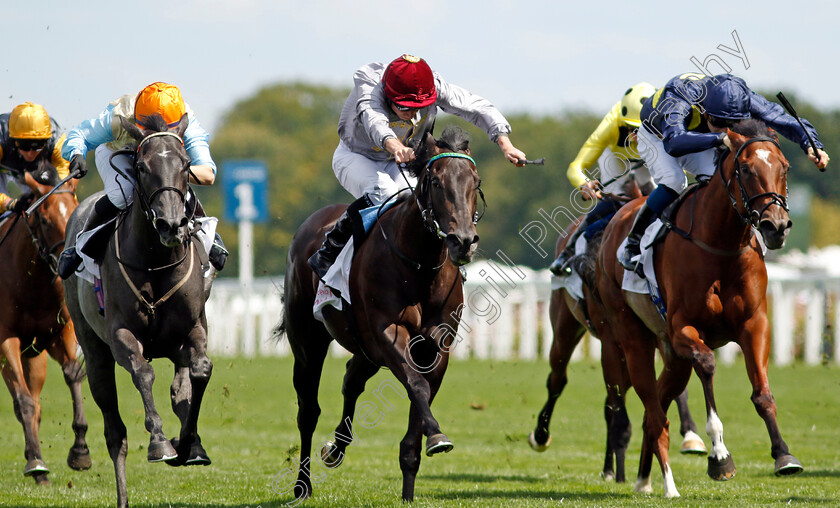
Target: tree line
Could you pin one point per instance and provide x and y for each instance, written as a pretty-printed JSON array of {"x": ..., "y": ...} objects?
[{"x": 292, "y": 127}]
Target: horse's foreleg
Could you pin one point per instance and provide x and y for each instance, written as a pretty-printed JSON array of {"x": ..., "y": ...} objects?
[
  {"x": 129, "y": 355},
  {"x": 359, "y": 370},
  {"x": 63, "y": 350},
  {"x": 567, "y": 335},
  {"x": 755, "y": 346},
  {"x": 688, "y": 344},
  {"x": 26, "y": 408},
  {"x": 191, "y": 385}
]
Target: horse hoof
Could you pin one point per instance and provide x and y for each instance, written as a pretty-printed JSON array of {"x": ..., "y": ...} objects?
[
  {"x": 34, "y": 467},
  {"x": 643, "y": 486},
  {"x": 721, "y": 470},
  {"x": 198, "y": 457},
  {"x": 79, "y": 458},
  {"x": 607, "y": 476},
  {"x": 438, "y": 443},
  {"x": 537, "y": 447},
  {"x": 161, "y": 451},
  {"x": 787, "y": 465},
  {"x": 331, "y": 456},
  {"x": 692, "y": 444},
  {"x": 41, "y": 479}
]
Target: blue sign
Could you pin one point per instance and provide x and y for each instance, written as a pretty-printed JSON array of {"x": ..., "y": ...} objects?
[{"x": 245, "y": 190}]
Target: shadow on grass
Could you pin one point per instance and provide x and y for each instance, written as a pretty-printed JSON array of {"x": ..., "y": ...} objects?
[
  {"x": 482, "y": 478},
  {"x": 525, "y": 494},
  {"x": 820, "y": 473}
]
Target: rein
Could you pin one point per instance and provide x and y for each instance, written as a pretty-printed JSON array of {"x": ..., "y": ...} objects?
[{"x": 151, "y": 216}]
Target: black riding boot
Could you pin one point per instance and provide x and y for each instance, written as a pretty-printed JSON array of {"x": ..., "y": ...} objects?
[
  {"x": 336, "y": 239},
  {"x": 560, "y": 267},
  {"x": 69, "y": 261},
  {"x": 644, "y": 218}
]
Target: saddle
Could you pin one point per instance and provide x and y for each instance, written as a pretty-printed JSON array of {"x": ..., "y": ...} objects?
[{"x": 670, "y": 213}]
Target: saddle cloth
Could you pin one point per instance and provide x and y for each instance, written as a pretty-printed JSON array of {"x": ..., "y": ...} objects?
[
  {"x": 336, "y": 282},
  {"x": 572, "y": 283}
]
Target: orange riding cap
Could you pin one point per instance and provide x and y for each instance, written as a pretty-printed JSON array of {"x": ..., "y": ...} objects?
[{"x": 161, "y": 98}]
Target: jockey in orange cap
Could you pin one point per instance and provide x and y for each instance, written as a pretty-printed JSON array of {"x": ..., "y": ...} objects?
[
  {"x": 388, "y": 107},
  {"x": 105, "y": 134},
  {"x": 28, "y": 141}
]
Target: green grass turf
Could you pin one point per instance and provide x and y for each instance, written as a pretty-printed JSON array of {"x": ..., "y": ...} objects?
[{"x": 486, "y": 408}]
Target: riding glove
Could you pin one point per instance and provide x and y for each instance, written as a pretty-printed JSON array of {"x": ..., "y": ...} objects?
[{"x": 78, "y": 165}]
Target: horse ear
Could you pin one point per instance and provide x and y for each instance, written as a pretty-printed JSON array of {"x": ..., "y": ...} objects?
[
  {"x": 183, "y": 123},
  {"x": 132, "y": 128},
  {"x": 736, "y": 139}
]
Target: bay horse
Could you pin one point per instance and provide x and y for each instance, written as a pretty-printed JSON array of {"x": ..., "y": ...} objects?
[
  {"x": 722, "y": 300},
  {"x": 34, "y": 322},
  {"x": 406, "y": 292},
  {"x": 154, "y": 302},
  {"x": 570, "y": 319}
]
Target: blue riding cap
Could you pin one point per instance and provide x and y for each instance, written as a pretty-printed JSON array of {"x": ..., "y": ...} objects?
[{"x": 729, "y": 99}]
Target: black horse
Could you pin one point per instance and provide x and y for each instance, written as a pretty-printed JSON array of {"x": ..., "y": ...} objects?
[
  {"x": 154, "y": 302},
  {"x": 406, "y": 290}
]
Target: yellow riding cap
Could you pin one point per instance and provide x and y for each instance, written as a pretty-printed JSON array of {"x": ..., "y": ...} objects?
[
  {"x": 631, "y": 103},
  {"x": 161, "y": 98},
  {"x": 30, "y": 121}
]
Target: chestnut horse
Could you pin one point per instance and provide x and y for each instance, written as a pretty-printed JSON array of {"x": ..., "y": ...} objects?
[
  {"x": 406, "y": 292},
  {"x": 722, "y": 299},
  {"x": 34, "y": 321},
  {"x": 570, "y": 319},
  {"x": 154, "y": 302}
]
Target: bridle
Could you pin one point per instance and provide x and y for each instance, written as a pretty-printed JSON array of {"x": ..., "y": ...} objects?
[
  {"x": 427, "y": 212},
  {"x": 46, "y": 251},
  {"x": 750, "y": 216},
  {"x": 141, "y": 192}
]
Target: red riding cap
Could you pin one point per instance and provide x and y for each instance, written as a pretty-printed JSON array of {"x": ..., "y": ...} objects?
[{"x": 409, "y": 82}]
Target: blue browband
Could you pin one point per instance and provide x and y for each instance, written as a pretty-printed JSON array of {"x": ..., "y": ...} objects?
[{"x": 451, "y": 154}]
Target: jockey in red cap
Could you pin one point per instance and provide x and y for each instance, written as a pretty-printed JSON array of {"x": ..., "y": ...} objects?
[{"x": 389, "y": 106}]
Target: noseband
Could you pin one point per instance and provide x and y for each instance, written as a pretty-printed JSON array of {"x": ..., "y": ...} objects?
[
  {"x": 428, "y": 212},
  {"x": 751, "y": 216}
]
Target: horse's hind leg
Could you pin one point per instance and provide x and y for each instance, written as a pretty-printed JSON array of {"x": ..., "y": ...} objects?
[
  {"x": 359, "y": 370},
  {"x": 103, "y": 388},
  {"x": 309, "y": 355},
  {"x": 63, "y": 350},
  {"x": 128, "y": 354},
  {"x": 692, "y": 442},
  {"x": 617, "y": 382},
  {"x": 756, "y": 359},
  {"x": 26, "y": 407},
  {"x": 567, "y": 335}
]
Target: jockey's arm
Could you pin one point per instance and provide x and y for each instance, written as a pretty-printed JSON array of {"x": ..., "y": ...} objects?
[{"x": 202, "y": 174}]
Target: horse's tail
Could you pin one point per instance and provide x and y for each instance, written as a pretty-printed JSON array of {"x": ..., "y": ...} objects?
[{"x": 279, "y": 331}]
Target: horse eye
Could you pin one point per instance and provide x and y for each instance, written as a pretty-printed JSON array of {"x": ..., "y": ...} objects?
[{"x": 436, "y": 182}]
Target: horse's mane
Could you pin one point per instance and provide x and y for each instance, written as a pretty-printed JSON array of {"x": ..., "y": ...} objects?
[
  {"x": 154, "y": 123},
  {"x": 753, "y": 127},
  {"x": 453, "y": 138}
]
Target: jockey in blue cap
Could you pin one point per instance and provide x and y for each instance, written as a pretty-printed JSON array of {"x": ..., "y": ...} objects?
[{"x": 682, "y": 126}]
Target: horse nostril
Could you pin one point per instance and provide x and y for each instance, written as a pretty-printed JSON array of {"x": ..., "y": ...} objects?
[{"x": 474, "y": 240}]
